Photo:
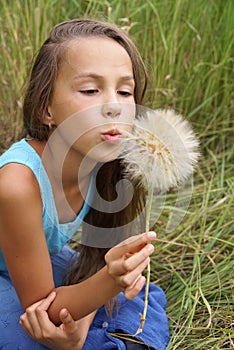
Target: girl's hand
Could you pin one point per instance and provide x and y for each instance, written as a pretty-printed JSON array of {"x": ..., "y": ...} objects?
[
  {"x": 69, "y": 335},
  {"x": 126, "y": 262}
]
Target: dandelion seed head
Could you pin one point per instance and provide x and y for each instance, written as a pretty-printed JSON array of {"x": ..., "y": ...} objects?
[{"x": 161, "y": 151}]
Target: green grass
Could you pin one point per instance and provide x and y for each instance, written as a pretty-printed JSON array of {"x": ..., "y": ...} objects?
[{"x": 188, "y": 47}]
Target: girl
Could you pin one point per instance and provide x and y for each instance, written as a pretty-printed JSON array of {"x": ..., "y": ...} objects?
[{"x": 83, "y": 90}]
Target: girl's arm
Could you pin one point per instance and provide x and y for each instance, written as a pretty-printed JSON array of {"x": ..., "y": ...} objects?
[
  {"x": 22, "y": 238},
  {"x": 23, "y": 243},
  {"x": 69, "y": 335}
]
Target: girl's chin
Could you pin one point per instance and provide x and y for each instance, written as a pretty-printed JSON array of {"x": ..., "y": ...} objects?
[
  {"x": 105, "y": 157},
  {"x": 105, "y": 152}
]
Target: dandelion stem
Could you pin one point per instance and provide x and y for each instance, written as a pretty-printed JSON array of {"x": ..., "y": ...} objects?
[
  {"x": 148, "y": 209},
  {"x": 146, "y": 298}
]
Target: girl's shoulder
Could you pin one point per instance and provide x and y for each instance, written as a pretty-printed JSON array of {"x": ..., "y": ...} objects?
[
  {"x": 22, "y": 153},
  {"x": 17, "y": 178},
  {"x": 19, "y": 172}
]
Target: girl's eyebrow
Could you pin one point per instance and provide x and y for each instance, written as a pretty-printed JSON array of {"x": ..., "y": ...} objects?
[
  {"x": 100, "y": 77},
  {"x": 127, "y": 78},
  {"x": 88, "y": 75}
]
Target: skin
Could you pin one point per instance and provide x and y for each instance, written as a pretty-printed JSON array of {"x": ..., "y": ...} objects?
[{"x": 95, "y": 75}]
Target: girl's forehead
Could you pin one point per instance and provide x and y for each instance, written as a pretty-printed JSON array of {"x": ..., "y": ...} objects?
[{"x": 96, "y": 51}]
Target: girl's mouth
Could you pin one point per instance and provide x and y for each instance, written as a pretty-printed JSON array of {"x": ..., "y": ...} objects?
[{"x": 111, "y": 136}]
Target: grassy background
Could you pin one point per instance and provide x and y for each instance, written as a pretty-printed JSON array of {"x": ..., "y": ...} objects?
[{"x": 188, "y": 47}]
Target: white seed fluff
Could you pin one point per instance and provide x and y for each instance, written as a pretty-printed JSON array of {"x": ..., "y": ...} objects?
[{"x": 161, "y": 151}]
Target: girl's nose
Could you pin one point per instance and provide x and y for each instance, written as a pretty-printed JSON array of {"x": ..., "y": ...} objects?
[{"x": 111, "y": 110}]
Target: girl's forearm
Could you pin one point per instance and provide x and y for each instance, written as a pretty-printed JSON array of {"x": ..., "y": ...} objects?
[{"x": 83, "y": 298}]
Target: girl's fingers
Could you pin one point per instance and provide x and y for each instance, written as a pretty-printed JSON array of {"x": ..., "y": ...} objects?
[
  {"x": 129, "y": 278},
  {"x": 45, "y": 303},
  {"x": 24, "y": 323},
  {"x": 132, "y": 261},
  {"x": 136, "y": 259},
  {"x": 131, "y": 245},
  {"x": 127, "y": 261},
  {"x": 36, "y": 318},
  {"x": 41, "y": 318},
  {"x": 30, "y": 324},
  {"x": 69, "y": 325},
  {"x": 133, "y": 290}
]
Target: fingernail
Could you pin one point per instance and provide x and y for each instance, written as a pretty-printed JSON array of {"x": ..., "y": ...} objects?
[
  {"x": 151, "y": 234},
  {"x": 147, "y": 260},
  {"x": 64, "y": 313},
  {"x": 53, "y": 293},
  {"x": 150, "y": 248},
  {"x": 142, "y": 280}
]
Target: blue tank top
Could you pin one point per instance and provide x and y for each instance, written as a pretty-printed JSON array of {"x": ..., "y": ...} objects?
[{"x": 57, "y": 235}]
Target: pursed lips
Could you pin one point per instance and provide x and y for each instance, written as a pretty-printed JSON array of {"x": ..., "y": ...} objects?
[{"x": 111, "y": 135}]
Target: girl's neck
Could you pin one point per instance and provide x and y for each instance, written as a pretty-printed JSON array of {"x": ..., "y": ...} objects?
[
  {"x": 62, "y": 163},
  {"x": 68, "y": 182}
]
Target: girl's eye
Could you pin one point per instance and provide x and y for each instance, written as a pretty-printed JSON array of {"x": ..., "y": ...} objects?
[
  {"x": 89, "y": 91},
  {"x": 125, "y": 93}
]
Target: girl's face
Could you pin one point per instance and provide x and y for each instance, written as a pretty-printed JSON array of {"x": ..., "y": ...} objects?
[{"x": 93, "y": 98}]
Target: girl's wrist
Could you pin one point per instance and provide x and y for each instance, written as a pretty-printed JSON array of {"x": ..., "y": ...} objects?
[
  {"x": 111, "y": 282},
  {"x": 93, "y": 293}
]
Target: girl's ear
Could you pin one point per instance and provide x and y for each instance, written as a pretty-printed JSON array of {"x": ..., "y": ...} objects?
[{"x": 48, "y": 117}]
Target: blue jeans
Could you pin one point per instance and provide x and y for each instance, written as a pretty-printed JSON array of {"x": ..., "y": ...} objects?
[{"x": 155, "y": 334}]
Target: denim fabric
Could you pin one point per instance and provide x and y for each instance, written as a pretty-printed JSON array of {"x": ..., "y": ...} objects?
[
  {"x": 126, "y": 320},
  {"x": 12, "y": 336}
]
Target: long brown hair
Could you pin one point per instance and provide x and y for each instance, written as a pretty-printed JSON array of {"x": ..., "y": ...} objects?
[
  {"x": 47, "y": 63},
  {"x": 102, "y": 230},
  {"x": 38, "y": 96}
]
